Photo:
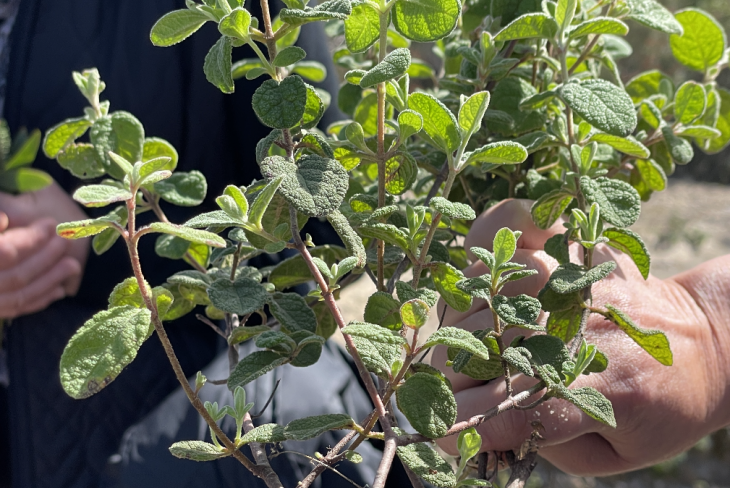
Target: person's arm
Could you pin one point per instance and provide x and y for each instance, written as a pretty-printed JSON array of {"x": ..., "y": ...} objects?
[
  {"x": 36, "y": 266},
  {"x": 660, "y": 411}
]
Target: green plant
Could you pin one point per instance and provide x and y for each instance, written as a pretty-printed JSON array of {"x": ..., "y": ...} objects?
[
  {"x": 16, "y": 154},
  {"x": 519, "y": 108}
]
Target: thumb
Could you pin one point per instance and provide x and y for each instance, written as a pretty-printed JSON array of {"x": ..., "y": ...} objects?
[
  {"x": 4, "y": 221},
  {"x": 514, "y": 214}
]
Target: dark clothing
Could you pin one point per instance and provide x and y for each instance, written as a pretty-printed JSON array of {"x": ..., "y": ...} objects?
[{"x": 57, "y": 441}]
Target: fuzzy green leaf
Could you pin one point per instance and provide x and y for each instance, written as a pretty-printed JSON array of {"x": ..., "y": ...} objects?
[
  {"x": 654, "y": 342},
  {"x": 445, "y": 278},
  {"x": 373, "y": 333},
  {"x": 428, "y": 404},
  {"x": 314, "y": 185},
  {"x": 183, "y": 189},
  {"x": 311, "y": 427},
  {"x": 723, "y": 124},
  {"x": 218, "y": 65},
  {"x": 60, "y": 136},
  {"x": 84, "y": 228},
  {"x": 458, "y": 338},
  {"x": 409, "y": 123},
  {"x": 504, "y": 152},
  {"x": 383, "y": 309},
  {"x": 529, "y": 26},
  {"x": 378, "y": 358},
  {"x": 549, "y": 207},
  {"x": 265, "y": 434},
  {"x": 387, "y": 232},
  {"x": 619, "y": 202},
  {"x": 292, "y": 312},
  {"x": 630, "y": 243},
  {"x": 599, "y": 25},
  {"x": 176, "y": 26},
  {"x": 689, "y": 102},
  {"x": 602, "y": 104},
  {"x": 191, "y": 235},
  {"x": 102, "y": 348},
  {"x": 236, "y": 24},
  {"x": 519, "y": 310},
  {"x": 254, "y": 366},
  {"x": 425, "y": 462},
  {"x": 570, "y": 277},
  {"x": 627, "y": 145},
  {"x": 406, "y": 293},
  {"x": 281, "y": 105},
  {"x": 100, "y": 195},
  {"x": 504, "y": 245},
  {"x": 591, "y": 402},
  {"x": 197, "y": 450},
  {"x": 400, "y": 173},
  {"x": 454, "y": 210},
  {"x": 425, "y": 20},
  {"x": 362, "y": 27},
  {"x": 703, "y": 42},
  {"x": 472, "y": 112},
  {"x": 393, "y": 65},
  {"x": 652, "y": 14},
  {"x": 414, "y": 313},
  {"x": 331, "y": 9},
  {"x": 243, "y": 296},
  {"x": 80, "y": 160},
  {"x": 519, "y": 358},
  {"x": 565, "y": 324},
  {"x": 439, "y": 123}
]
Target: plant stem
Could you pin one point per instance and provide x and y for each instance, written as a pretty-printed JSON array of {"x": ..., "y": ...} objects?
[
  {"x": 418, "y": 267},
  {"x": 500, "y": 344},
  {"x": 259, "y": 471},
  {"x": 381, "y": 146}
]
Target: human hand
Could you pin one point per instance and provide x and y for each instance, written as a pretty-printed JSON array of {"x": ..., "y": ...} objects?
[
  {"x": 660, "y": 411},
  {"x": 36, "y": 266}
]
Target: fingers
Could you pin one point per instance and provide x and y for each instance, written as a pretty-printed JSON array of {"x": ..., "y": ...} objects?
[
  {"x": 16, "y": 244},
  {"x": 40, "y": 293},
  {"x": 588, "y": 455},
  {"x": 514, "y": 214},
  {"x": 33, "y": 267},
  {"x": 561, "y": 422}
]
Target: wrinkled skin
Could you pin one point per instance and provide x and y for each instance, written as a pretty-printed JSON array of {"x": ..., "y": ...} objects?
[
  {"x": 36, "y": 266},
  {"x": 660, "y": 410}
]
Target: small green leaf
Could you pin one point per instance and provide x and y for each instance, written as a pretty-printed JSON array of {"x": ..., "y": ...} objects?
[
  {"x": 619, "y": 202},
  {"x": 393, "y": 65},
  {"x": 373, "y": 333},
  {"x": 689, "y": 102},
  {"x": 504, "y": 245},
  {"x": 723, "y": 123},
  {"x": 243, "y": 296},
  {"x": 377, "y": 357},
  {"x": 445, "y": 278},
  {"x": 518, "y": 310},
  {"x": 197, "y": 450},
  {"x": 154, "y": 147},
  {"x": 529, "y": 26},
  {"x": 362, "y": 27},
  {"x": 281, "y": 105},
  {"x": 547, "y": 350},
  {"x": 428, "y": 404},
  {"x": 236, "y": 24},
  {"x": 549, "y": 207},
  {"x": 504, "y": 152},
  {"x": 192, "y": 235},
  {"x": 570, "y": 277},
  {"x": 262, "y": 201},
  {"x": 472, "y": 112},
  {"x": 254, "y": 366},
  {"x": 183, "y": 189},
  {"x": 311, "y": 70},
  {"x": 599, "y": 25},
  {"x": 265, "y": 434},
  {"x": 425, "y": 462},
  {"x": 630, "y": 243},
  {"x": 382, "y": 309},
  {"x": 60, "y": 136},
  {"x": 99, "y": 351},
  {"x": 100, "y": 195},
  {"x": 331, "y": 9},
  {"x": 314, "y": 185},
  {"x": 311, "y": 427},
  {"x": 565, "y": 324},
  {"x": 602, "y": 104},
  {"x": 218, "y": 65},
  {"x": 292, "y": 312},
  {"x": 454, "y": 210},
  {"x": 80, "y": 160},
  {"x": 703, "y": 42},
  {"x": 438, "y": 122},
  {"x": 400, "y": 173},
  {"x": 406, "y": 292},
  {"x": 386, "y": 232},
  {"x": 652, "y": 14},
  {"x": 84, "y": 228},
  {"x": 519, "y": 359},
  {"x": 646, "y": 84},
  {"x": 425, "y": 20},
  {"x": 26, "y": 153},
  {"x": 410, "y": 123},
  {"x": 652, "y": 341},
  {"x": 176, "y": 26},
  {"x": 457, "y": 338},
  {"x": 557, "y": 247},
  {"x": 627, "y": 145},
  {"x": 591, "y": 402},
  {"x": 414, "y": 313}
]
